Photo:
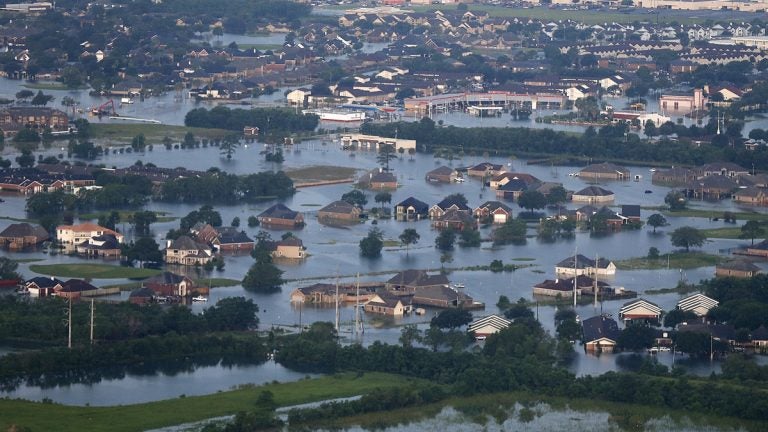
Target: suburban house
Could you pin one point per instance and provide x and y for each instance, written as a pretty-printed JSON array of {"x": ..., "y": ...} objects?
[
  {"x": 605, "y": 170},
  {"x": 501, "y": 179},
  {"x": 640, "y": 310},
  {"x": 759, "y": 339},
  {"x": 410, "y": 280},
  {"x": 593, "y": 194},
  {"x": 411, "y": 208},
  {"x": 74, "y": 289},
  {"x": 340, "y": 211},
  {"x": 141, "y": 296},
  {"x": 758, "y": 249},
  {"x": 699, "y": 304},
  {"x": 565, "y": 287},
  {"x": 724, "y": 169},
  {"x": 43, "y": 286},
  {"x": 187, "y": 251},
  {"x": 22, "y": 235},
  {"x": 442, "y": 174},
  {"x": 677, "y": 176},
  {"x": 486, "y": 326},
  {"x": 458, "y": 220},
  {"x": 452, "y": 202},
  {"x": 104, "y": 246},
  {"x": 223, "y": 239},
  {"x": 14, "y": 119},
  {"x": 170, "y": 284},
  {"x": 379, "y": 179},
  {"x": 511, "y": 189},
  {"x": 76, "y": 234},
  {"x": 581, "y": 265},
  {"x": 600, "y": 334},
  {"x": 443, "y": 296},
  {"x": 711, "y": 187},
  {"x": 725, "y": 333},
  {"x": 630, "y": 213},
  {"x": 290, "y": 248},
  {"x": 388, "y": 304},
  {"x": 485, "y": 169},
  {"x": 323, "y": 293},
  {"x": 494, "y": 211},
  {"x": 281, "y": 216},
  {"x": 683, "y": 103},
  {"x": 751, "y": 195},
  {"x": 736, "y": 268}
]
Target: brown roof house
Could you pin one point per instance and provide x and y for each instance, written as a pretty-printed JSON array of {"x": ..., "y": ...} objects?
[
  {"x": 378, "y": 179},
  {"x": 485, "y": 169},
  {"x": 339, "y": 211},
  {"x": 170, "y": 284},
  {"x": 493, "y": 211},
  {"x": 448, "y": 203},
  {"x": 290, "y": 248},
  {"x": 444, "y": 297},
  {"x": 281, "y": 216},
  {"x": 751, "y": 195},
  {"x": 22, "y": 235},
  {"x": 388, "y": 304},
  {"x": 187, "y": 251},
  {"x": 458, "y": 220},
  {"x": 593, "y": 194},
  {"x": 736, "y": 268},
  {"x": 442, "y": 174},
  {"x": 600, "y": 333},
  {"x": 410, "y": 280},
  {"x": 605, "y": 170}
]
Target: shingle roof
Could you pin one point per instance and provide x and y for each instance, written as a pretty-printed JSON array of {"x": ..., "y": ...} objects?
[
  {"x": 24, "y": 230},
  {"x": 279, "y": 211},
  {"x": 600, "y": 326},
  {"x": 594, "y": 191}
]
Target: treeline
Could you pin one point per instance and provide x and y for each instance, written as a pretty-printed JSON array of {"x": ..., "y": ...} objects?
[
  {"x": 743, "y": 302},
  {"x": 88, "y": 364},
  {"x": 607, "y": 143},
  {"x": 41, "y": 320},
  {"x": 522, "y": 358},
  {"x": 223, "y": 188},
  {"x": 270, "y": 121},
  {"x": 239, "y": 15}
]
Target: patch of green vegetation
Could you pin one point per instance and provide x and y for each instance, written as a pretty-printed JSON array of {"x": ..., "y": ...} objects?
[
  {"x": 733, "y": 232},
  {"x": 51, "y": 85},
  {"x": 124, "y": 216},
  {"x": 154, "y": 133},
  {"x": 676, "y": 260},
  {"x": 522, "y": 259},
  {"x": 311, "y": 205},
  {"x": 16, "y": 219},
  {"x": 680, "y": 289},
  {"x": 321, "y": 173},
  {"x": 391, "y": 243},
  {"x": 709, "y": 214},
  {"x": 93, "y": 271},
  {"x": 131, "y": 418}
]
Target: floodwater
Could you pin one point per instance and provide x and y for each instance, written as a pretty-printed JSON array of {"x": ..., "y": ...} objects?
[{"x": 133, "y": 388}]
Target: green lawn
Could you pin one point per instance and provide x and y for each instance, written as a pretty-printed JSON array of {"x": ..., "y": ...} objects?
[
  {"x": 154, "y": 133},
  {"x": 93, "y": 271},
  {"x": 732, "y": 232},
  {"x": 130, "y": 418},
  {"x": 740, "y": 216},
  {"x": 677, "y": 260},
  {"x": 213, "y": 282},
  {"x": 124, "y": 216},
  {"x": 50, "y": 85}
]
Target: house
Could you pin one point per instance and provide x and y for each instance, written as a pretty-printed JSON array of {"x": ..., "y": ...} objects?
[
  {"x": 495, "y": 211},
  {"x": 759, "y": 249},
  {"x": 581, "y": 265},
  {"x": 379, "y": 179},
  {"x": 411, "y": 208},
  {"x": 228, "y": 239},
  {"x": 565, "y": 287},
  {"x": 486, "y": 326},
  {"x": 141, "y": 296},
  {"x": 451, "y": 202},
  {"x": 388, "y": 304},
  {"x": 77, "y": 234},
  {"x": 683, "y": 102},
  {"x": 759, "y": 339},
  {"x": 725, "y": 169},
  {"x": 409, "y": 280},
  {"x": 699, "y": 304},
  {"x": 711, "y": 187},
  {"x": 186, "y": 251},
  {"x": 718, "y": 332},
  {"x": 170, "y": 284},
  {"x": 600, "y": 334},
  {"x": 593, "y": 194},
  {"x": 605, "y": 170},
  {"x": 13, "y": 119},
  {"x": 317, "y": 293},
  {"x": 736, "y": 268},
  {"x": 751, "y": 195},
  {"x": 43, "y": 286},
  {"x": 673, "y": 177},
  {"x": 290, "y": 248},
  {"x": 485, "y": 169},
  {"x": 442, "y": 174},
  {"x": 630, "y": 213},
  {"x": 640, "y": 310},
  {"x": 511, "y": 189},
  {"x": 442, "y": 296},
  {"x": 74, "y": 289},
  {"x": 340, "y": 211},
  {"x": 281, "y": 216},
  {"x": 22, "y": 235},
  {"x": 104, "y": 246},
  {"x": 501, "y": 179},
  {"x": 457, "y": 220}
]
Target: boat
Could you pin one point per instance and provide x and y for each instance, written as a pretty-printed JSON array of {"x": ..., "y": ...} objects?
[
  {"x": 126, "y": 100},
  {"x": 420, "y": 311},
  {"x": 652, "y": 170},
  {"x": 648, "y": 191},
  {"x": 458, "y": 285},
  {"x": 199, "y": 299},
  {"x": 337, "y": 116}
]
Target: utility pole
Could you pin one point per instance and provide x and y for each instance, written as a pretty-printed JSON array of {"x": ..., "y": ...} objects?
[
  {"x": 575, "y": 271},
  {"x": 69, "y": 325},
  {"x": 357, "y": 307},
  {"x": 337, "y": 305},
  {"x": 92, "y": 313}
]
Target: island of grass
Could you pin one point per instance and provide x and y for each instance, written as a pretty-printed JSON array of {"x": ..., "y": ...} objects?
[
  {"x": 125, "y": 215},
  {"x": 711, "y": 214},
  {"x": 320, "y": 175},
  {"x": 675, "y": 260},
  {"x": 123, "y": 133},
  {"x": 93, "y": 271},
  {"x": 210, "y": 283}
]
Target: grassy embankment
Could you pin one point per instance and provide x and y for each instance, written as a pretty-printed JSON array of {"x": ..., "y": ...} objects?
[
  {"x": 320, "y": 174},
  {"x": 740, "y": 216},
  {"x": 122, "y": 134},
  {"x": 132, "y": 418},
  {"x": 677, "y": 260},
  {"x": 212, "y": 283},
  {"x": 50, "y": 85},
  {"x": 124, "y": 215},
  {"x": 93, "y": 271}
]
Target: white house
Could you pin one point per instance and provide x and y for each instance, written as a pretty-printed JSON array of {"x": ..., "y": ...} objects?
[{"x": 487, "y": 326}]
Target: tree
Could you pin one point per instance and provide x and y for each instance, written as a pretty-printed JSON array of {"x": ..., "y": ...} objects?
[
  {"x": 23, "y": 95},
  {"x": 557, "y": 195},
  {"x": 27, "y": 135},
  {"x": 8, "y": 269},
  {"x": 263, "y": 276},
  {"x": 469, "y": 237},
  {"x": 253, "y": 221},
  {"x": 229, "y": 145},
  {"x": 41, "y": 99},
  {"x": 26, "y": 159},
  {"x": 109, "y": 220},
  {"x": 445, "y": 240},
  {"x": 675, "y": 200},
  {"x": 452, "y": 318},
  {"x": 371, "y": 245},
  {"x": 145, "y": 249},
  {"x": 383, "y": 197},
  {"x": 636, "y": 337},
  {"x": 409, "y": 237},
  {"x": 751, "y": 229},
  {"x": 657, "y": 220},
  {"x": 677, "y": 316},
  {"x": 189, "y": 140},
  {"x": 532, "y": 200},
  {"x": 513, "y": 230},
  {"x": 458, "y": 198},
  {"x": 409, "y": 335},
  {"x": 386, "y": 154},
  {"x": 235, "y": 222},
  {"x": 688, "y": 237},
  {"x": 141, "y": 221},
  {"x": 356, "y": 198},
  {"x": 232, "y": 313},
  {"x": 139, "y": 142},
  {"x": 566, "y": 326}
]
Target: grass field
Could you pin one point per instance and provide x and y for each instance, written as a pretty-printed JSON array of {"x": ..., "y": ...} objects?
[
  {"x": 50, "y": 85},
  {"x": 132, "y": 418},
  {"x": 677, "y": 260},
  {"x": 93, "y": 271},
  {"x": 213, "y": 283},
  {"x": 124, "y": 216},
  {"x": 320, "y": 173},
  {"x": 154, "y": 133},
  {"x": 740, "y": 216},
  {"x": 733, "y": 232}
]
